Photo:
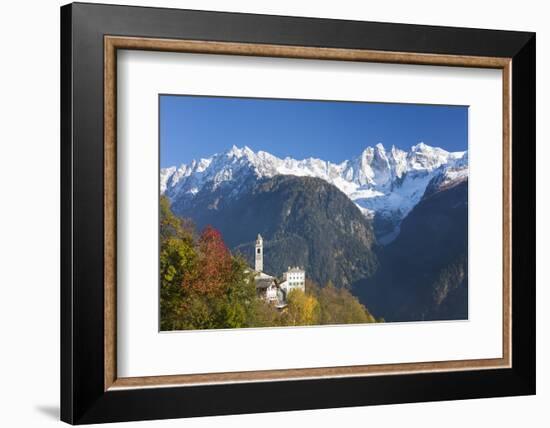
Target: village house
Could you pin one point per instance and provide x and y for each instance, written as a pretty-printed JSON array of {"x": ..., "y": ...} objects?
[
  {"x": 269, "y": 287},
  {"x": 293, "y": 279},
  {"x": 266, "y": 287}
]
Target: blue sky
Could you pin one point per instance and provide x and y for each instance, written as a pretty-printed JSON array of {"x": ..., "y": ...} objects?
[{"x": 192, "y": 127}]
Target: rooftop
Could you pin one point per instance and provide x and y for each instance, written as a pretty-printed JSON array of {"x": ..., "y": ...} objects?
[{"x": 263, "y": 282}]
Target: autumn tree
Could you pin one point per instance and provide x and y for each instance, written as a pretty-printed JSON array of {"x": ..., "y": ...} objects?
[
  {"x": 267, "y": 315},
  {"x": 177, "y": 257},
  {"x": 339, "y": 306},
  {"x": 303, "y": 309},
  {"x": 214, "y": 265}
]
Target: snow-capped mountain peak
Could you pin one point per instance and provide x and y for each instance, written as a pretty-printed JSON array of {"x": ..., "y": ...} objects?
[
  {"x": 236, "y": 152},
  {"x": 388, "y": 183}
]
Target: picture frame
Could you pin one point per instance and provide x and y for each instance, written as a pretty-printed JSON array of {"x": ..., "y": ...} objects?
[{"x": 91, "y": 390}]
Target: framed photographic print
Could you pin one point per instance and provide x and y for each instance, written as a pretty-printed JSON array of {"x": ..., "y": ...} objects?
[{"x": 265, "y": 213}]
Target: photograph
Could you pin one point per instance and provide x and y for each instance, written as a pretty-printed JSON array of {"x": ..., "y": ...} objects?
[
  {"x": 278, "y": 210},
  {"x": 291, "y": 212}
]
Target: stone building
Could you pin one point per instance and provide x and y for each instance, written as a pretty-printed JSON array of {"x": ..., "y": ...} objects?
[{"x": 266, "y": 287}]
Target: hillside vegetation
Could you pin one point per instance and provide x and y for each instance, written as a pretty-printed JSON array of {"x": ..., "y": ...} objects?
[
  {"x": 423, "y": 274},
  {"x": 204, "y": 286},
  {"x": 305, "y": 222}
]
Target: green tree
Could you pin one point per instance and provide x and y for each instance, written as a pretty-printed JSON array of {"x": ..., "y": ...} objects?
[
  {"x": 177, "y": 258},
  {"x": 266, "y": 315},
  {"x": 237, "y": 307}
]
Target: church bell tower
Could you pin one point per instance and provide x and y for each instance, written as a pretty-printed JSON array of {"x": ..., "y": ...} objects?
[{"x": 259, "y": 254}]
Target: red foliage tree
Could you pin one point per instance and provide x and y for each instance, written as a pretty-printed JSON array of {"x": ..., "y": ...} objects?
[{"x": 214, "y": 264}]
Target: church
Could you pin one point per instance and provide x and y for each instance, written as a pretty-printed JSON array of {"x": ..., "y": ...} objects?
[{"x": 270, "y": 288}]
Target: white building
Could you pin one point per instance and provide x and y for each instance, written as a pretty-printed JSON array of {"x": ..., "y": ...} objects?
[
  {"x": 266, "y": 285},
  {"x": 293, "y": 279}
]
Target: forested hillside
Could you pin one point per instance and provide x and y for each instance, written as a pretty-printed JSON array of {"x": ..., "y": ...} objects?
[
  {"x": 204, "y": 286},
  {"x": 423, "y": 274},
  {"x": 305, "y": 221}
]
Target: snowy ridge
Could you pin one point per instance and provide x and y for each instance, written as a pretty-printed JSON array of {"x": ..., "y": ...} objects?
[{"x": 386, "y": 183}]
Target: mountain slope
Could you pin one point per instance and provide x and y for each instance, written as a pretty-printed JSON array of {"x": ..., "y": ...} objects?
[
  {"x": 305, "y": 221},
  {"x": 385, "y": 185},
  {"x": 423, "y": 274}
]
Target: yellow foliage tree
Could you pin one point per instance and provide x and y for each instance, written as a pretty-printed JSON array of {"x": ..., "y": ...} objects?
[
  {"x": 303, "y": 309},
  {"x": 339, "y": 306}
]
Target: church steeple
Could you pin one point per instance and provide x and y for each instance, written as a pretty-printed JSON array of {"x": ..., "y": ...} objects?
[{"x": 259, "y": 254}]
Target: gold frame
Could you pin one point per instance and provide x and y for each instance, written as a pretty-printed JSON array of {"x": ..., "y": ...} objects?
[{"x": 112, "y": 43}]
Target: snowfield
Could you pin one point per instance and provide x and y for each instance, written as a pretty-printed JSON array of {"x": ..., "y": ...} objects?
[{"x": 385, "y": 183}]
